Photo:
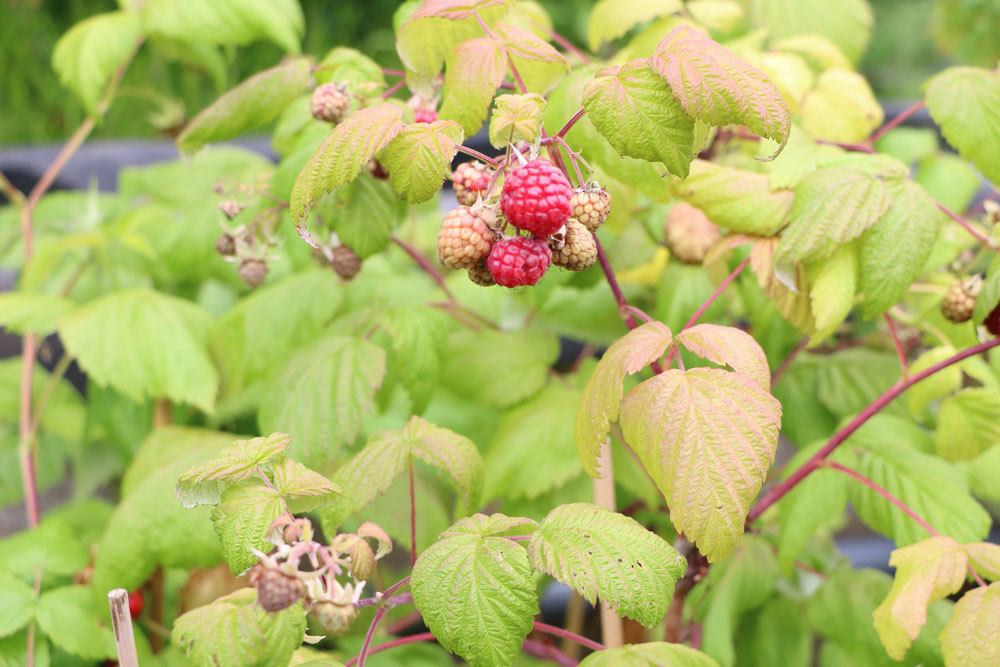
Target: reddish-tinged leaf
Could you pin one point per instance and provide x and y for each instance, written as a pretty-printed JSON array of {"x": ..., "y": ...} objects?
[
  {"x": 475, "y": 71},
  {"x": 454, "y": 10},
  {"x": 728, "y": 346},
  {"x": 540, "y": 65}
]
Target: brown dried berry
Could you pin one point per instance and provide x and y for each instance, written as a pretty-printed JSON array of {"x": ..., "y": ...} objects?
[
  {"x": 277, "y": 591},
  {"x": 225, "y": 245},
  {"x": 960, "y": 300},
  {"x": 578, "y": 249},
  {"x": 480, "y": 274},
  {"x": 591, "y": 206},
  {"x": 465, "y": 238},
  {"x": 253, "y": 271},
  {"x": 689, "y": 233},
  {"x": 329, "y": 102},
  {"x": 345, "y": 262}
]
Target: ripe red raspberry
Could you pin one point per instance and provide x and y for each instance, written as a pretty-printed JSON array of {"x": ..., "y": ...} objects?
[
  {"x": 329, "y": 102},
  {"x": 536, "y": 197},
  {"x": 471, "y": 179},
  {"x": 424, "y": 115},
  {"x": 277, "y": 591},
  {"x": 577, "y": 251},
  {"x": 960, "y": 300},
  {"x": 136, "y": 603},
  {"x": 519, "y": 261},
  {"x": 591, "y": 206},
  {"x": 465, "y": 238}
]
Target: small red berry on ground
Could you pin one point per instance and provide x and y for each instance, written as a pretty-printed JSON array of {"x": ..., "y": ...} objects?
[{"x": 536, "y": 198}]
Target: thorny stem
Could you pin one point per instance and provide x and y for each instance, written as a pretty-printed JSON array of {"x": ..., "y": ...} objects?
[
  {"x": 566, "y": 634},
  {"x": 379, "y": 614},
  {"x": 569, "y": 46},
  {"x": 561, "y": 134},
  {"x": 887, "y": 397},
  {"x": 413, "y": 517},
  {"x": 476, "y": 154},
  {"x": 900, "y": 118},
  {"x": 854, "y": 474},
  {"x": 898, "y": 344}
]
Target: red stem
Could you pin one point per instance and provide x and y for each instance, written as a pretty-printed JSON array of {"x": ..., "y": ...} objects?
[
  {"x": 716, "y": 294},
  {"x": 547, "y": 652},
  {"x": 569, "y": 46},
  {"x": 859, "y": 148},
  {"x": 900, "y": 352},
  {"x": 393, "y": 89},
  {"x": 425, "y": 265},
  {"x": 413, "y": 517},
  {"x": 787, "y": 362},
  {"x": 567, "y": 634},
  {"x": 850, "y": 472},
  {"x": 476, "y": 154},
  {"x": 782, "y": 489},
  {"x": 561, "y": 134},
  {"x": 616, "y": 289},
  {"x": 968, "y": 226},
  {"x": 900, "y": 118},
  {"x": 402, "y": 641}
]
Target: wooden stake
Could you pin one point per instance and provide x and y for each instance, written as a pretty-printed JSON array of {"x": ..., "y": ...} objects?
[
  {"x": 121, "y": 619},
  {"x": 604, "y": 495}
]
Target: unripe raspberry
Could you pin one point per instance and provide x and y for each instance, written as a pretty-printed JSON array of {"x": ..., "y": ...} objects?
[
  {"x": 225, "y": 245},
  {"x": 345, "y": 262},
  {"x": 689, "y": 233},
  {"x": 578, "y": 251},
  {"x": 480, "y": 275},
  {"x": 277, "y": 591},
  {"x": 471, "y": 179},
  {"x": 424, "y": 115},
  {"x": 591, "y": 206},
  {"x": 329, "y": 102},
  {"x": 960, "y": 300},
  {"x": 253, "y": 271},
  {"x": 536, "y": 197},
  {"x": 465, "y": 238},
  {"x": 332, "y": 619},
  {"x": 519, "y": 261}
]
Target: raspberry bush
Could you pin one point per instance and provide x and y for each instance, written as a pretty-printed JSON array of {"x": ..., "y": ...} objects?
[{"x": 643, "y": 327}]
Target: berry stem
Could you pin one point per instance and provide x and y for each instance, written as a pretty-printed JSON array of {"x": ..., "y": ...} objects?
[
  {"x": 781, "y": 490},
  {"x": 904, "y": 367},
  {"x": 393, "y": 89},
  {"x": 858, "y": 148},
  {"x": 900, "y": 118},
  {"x": 369, "y": 635},
  {"x": 716, "y": 294},
  {"x": 969, "y": 227},
  {"x": 561, "y": 134},
  {"x": 476, "y": 154},
  {"x": 854, "y": 474},
  {"x": 547, "y": 652},
  {"x": 425, "y": 265},
  {"x": 569, "y": 47},
  {"x": 786, "y": 363},
  {"x": 393, "y": 601},
  {"x": 566, "y": 634},
  {"x": 402, "y": 641}
]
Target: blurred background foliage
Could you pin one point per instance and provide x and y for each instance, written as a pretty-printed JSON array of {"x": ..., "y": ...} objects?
[{"x": 912, "y": 40}]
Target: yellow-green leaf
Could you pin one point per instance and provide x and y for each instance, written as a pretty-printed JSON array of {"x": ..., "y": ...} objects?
[
  {"x": 738, "y": 200},
  {"x": 611, "y": 19},
  {"x": 89, "y": 53},
  {"x": 967, "y": 424},
  {"x": 516, "y": 118},
  {"x": 842, "y": 107},
  {"x": 984, "y": 558},
  {"x": 964, "y": 102},
  {"x": 970, "y": 638},
  {"x": 540, "y": 65},
  {"x": 475, "y": 71},
  {"x": 419, "y": 158},
  {"x": 203, "y": 483},
  {"x": 833, "y": 281},
  {"x": 728, "y": 346},
  {"x": 846, "y": 23}
]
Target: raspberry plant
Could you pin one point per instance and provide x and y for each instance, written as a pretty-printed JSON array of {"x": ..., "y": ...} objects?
[{"x": 294, "y": 366}]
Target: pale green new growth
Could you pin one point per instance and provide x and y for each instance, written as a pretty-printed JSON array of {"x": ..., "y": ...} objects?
[
  {"x": 633, "y": 108},
  {"x": 989, "y": 294},
  {"x": 984, "y": 558},
  {"x": 234, "y": 631},
  {"x": 304, "y": 490},
  {"x": 652, "y": 654},
  {"x": 713, "y": 85},
  {"x": 344, "y": 154},
  {"x": 967, "y": 424},
  {"x": 476, "y": 592},
  {"x": 202, "y": 484},
  {"x": 741, "y": 201},
  {"x": 925, "y": 572},
  {"x": 36, "y": 313},
  {"x": 833, "y": 282},
  {"x": 844, "y": 26},
  {"x": 728, "y": 346},
  {"x": 250, "y": 105},
  {"x": 603, "y": 395},
  {"x": 611, "y": 19},
  {"x": 707, "y": 437},
  {"x": 832, "y": 206},
  {"x": 965, "y": 101},
  {"x": 491, "y": 525},
  {"x": 516, "y": 118},
  {"x": 419, "y": 158},
  {"x": 600, "y": 553},
  {"x": 225, "y": 21},
  {"x": 841, "y": 107},
  {"x": 89, "y": 53},
  {"x": 350, "y": 66},
  {"x": 943, "y": 383},
  {"x": 145, "y": 344},
  {"x": 970, "y": 638},
  {"x": 475, "y": 71},
  {"x": 242, "y": 518}
]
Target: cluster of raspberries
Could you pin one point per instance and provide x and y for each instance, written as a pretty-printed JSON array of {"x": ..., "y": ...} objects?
[{"x": 537, "y": 199}]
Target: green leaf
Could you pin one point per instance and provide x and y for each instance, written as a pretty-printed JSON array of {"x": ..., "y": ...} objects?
[
  {"x": 52, "y": 549},
  {"x": 833, "y": 282},
  {"x": 17, "y": 604},
  {"x": 475, "y": 71},
  {"x": 149, "y": 527},
  {"x": 303, "y": 489},
  {"x": 253, "y": 338},
  {"x": 90, "y": 52},
  {"x": 728, "y": 346},
  {"x": 715, "y": 86},
  {"x": 419, "y": 158},
  {"x": 363, "y": 214},
  {"x": 600, "y": 553},
  {"x": 707, "y": 437},
  {"x": 27, "y": 312},
  {"x": 969, "y": 638},
  {"x": 611, "y": 19},
  {"x": 950, "y": 180},
  {"x": 14, "y": 650},
  {"x": 983, "y": 475},
  {"x": 493, "y": 525},
  {"x": 963, "y": 102},
  {"x": 344, "y": 154},
  {"x": 418, "y": 335},
  {"x": 532, "y": 450},
  {"x": 387, "y": 454},
  {"x": 832, "y": 206},
  {"x": 651, "y": 654},
  {"x": 253, "y": 104},
  {"x": 516, "y": 118},
  {"x": 841, "y": 107},
  {"x": 540, "y": 65},
  {"x": 895, "y": 251},
  {"x": 423, "y": 43},
  {"x": 841, "y": 611},
  {"x": 941, "y": 384},
  {"x": 602, "y": 397},
  {"x": 234, "y": 631},
  {"x": 144, "y": 344},
  {"x": 925, "y": 572},
  {"x": 967, "y": 424},
  {"x": 76, "y": 623},
  {"x": 242, "y": 518},
  {"x": 777, "y": 634},
  {"x": 225, "y": 21},
  {"x": 477, "y": 595},
  {"x": 847, "y": 24},
  {"x": 516, "y": 368},
  {"x": 984, "y": 558},
  {"x": 350, "y": 66},
  {"x": 636, "y": 112},
  {"x": 738, "y": 200},
  {"x": 322, "y": 396},
  {"x": 203, "y": 484}
]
